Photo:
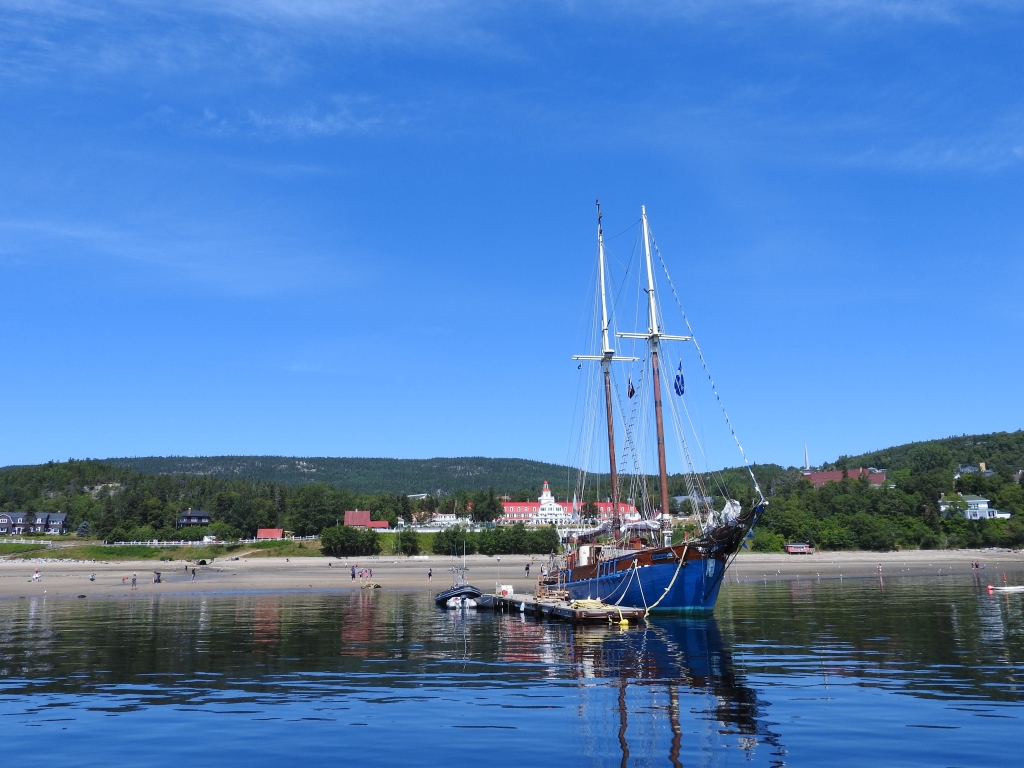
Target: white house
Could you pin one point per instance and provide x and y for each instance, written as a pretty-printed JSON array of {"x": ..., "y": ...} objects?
[
  {"x": 977, "y": 508},
  {"x": 550, "y": 512}
]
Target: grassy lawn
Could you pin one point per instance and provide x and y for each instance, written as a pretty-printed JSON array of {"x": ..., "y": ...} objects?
[
  {"x": 142, "y": 552},
  {"x": 13, "y": 549},
  {"x": 137, "y": 552},
  {"x": 282, "y": 549}
]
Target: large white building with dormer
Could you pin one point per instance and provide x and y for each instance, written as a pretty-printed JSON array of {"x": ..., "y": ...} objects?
[
  {"x": 546, "y": 511},
  {"x": 977, "y": 508}
]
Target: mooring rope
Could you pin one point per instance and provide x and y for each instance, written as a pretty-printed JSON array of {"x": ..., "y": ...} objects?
[{"x": 682, "y": 559}]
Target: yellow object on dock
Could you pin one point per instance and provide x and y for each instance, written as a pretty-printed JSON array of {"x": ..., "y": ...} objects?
[{"x": 577, "y": 611}]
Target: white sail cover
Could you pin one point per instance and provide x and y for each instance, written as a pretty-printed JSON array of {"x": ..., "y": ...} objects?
[{"x": 731, "y": 512}]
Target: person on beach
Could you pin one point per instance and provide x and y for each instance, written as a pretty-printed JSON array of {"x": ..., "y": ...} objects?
[
  {"x": 135, "y": 577},
  {"x": 430, "y": 574},
  {"x": 193, "y": 574},
  {"x": 36, "y": 576},
  {"x": 353, "y": 573},
  {"x": 92, "y": 577},
  {"x": 527, "y": 570}
]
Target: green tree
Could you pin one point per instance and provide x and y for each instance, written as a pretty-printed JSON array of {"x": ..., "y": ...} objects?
[
  {"x": 589, "y": 511},
  {"x": 955, "y": 505},
  {"x": 452, "y": 540},
  {"x": 764, "y": 541},
  {"x": 545, "y": 540},
  {"x": 486, "y": 507},
  {"x": 346, "y": 541},
  {"x": 408, "y": 542},
  {"x": 313, "y": 507}
]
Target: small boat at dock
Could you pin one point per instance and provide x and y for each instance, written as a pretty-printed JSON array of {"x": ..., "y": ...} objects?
[{"x": 461, "y": 594}]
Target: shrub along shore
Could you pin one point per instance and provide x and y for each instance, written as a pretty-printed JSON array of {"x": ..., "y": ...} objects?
[{"x": 114, "y": 503}]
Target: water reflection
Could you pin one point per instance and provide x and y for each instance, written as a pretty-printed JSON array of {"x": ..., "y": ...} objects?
[
  {"x": 781, "y": 665},
  {"x": 629, "y": 695}
]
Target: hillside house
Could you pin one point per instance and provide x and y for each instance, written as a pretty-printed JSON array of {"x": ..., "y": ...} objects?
[
  {"x": 48, "y": 522},
  {"x": 192, "y": 517},
  {"x": 977, "y": 508},
  {"x": 875, "y": 476},
  {"x": 970, "y": 469},
  {"x": 13, "y": 523}
]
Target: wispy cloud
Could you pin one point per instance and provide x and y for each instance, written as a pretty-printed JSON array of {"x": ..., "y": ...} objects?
[
  {"x": 242, "y": 265},
  {"x": 40, "y": 36},
  {"x": 341, "y": 115}
]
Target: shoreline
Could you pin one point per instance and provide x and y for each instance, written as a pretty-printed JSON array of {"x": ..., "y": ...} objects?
[{"x": 66, "y": 579}]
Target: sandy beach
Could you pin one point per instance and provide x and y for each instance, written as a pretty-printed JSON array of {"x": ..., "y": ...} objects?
[{"x": 113, "y": 579}]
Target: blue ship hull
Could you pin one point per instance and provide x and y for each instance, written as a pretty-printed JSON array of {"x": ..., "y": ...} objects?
[{"x": 695, "y": 588}]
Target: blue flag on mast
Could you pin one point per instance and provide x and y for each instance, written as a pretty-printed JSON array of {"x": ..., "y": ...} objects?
[{"x": 679, "y": 385}]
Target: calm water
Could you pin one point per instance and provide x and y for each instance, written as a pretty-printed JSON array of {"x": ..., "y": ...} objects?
[{"x": 915, "y": 673}]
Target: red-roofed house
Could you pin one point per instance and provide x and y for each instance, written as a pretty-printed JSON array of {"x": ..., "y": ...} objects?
[
  {"x": 360, "y": 518},
  {"x": 877, "y": 479},
  {"x": 270, "y": 533}
]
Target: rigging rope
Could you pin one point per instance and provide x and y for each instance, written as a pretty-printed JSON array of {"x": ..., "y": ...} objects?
[
  {"x": 679, "y": 567},
  {"x": 703, "y": 362}
]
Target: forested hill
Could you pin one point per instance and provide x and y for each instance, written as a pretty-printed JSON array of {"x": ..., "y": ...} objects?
[
  {"x": 1001, "y": 451},
  {"x": 440, "y": 476}
]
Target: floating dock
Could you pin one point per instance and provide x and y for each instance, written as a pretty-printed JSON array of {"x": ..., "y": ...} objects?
[{"x": 576, "y": 611}]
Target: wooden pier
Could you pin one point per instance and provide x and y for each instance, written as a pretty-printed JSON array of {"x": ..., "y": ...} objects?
[{"x": 576, "y": 611}]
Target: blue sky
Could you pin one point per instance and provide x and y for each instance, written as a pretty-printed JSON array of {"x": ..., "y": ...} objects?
[{"x": 367, "y": 228}]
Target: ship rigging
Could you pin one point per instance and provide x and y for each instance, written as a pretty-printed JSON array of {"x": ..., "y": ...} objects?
[{"x": 628, "y": 568}]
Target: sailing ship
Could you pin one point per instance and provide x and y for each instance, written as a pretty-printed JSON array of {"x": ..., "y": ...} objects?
[{"x": 639, "y": 566}]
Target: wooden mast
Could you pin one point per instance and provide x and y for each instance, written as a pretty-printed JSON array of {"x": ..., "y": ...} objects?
[
  {"x": 607, "y": 353},
  {"x": 654, "y": 338},
  {"x": 606, "y": 357}
]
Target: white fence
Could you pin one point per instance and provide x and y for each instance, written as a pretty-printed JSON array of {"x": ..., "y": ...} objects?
[
  {"x": 163, "y": 544},
  {"x": 288, "y": 538},
  {"x": 26, "y": 541},
  {"x": 155, "y": 543}
]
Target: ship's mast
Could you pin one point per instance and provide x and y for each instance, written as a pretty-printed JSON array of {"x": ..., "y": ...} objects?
[
  {"x": 654, "y": 338},
  {"x": 606, "y": 357}
]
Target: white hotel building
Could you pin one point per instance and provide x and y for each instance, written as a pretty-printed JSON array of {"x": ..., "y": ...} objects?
[{"x": 547, "y": 511}]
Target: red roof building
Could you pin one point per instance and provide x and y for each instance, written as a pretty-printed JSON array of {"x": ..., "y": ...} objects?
[
  {"x": 538, "y": 512},
  {"x": 360, "y": 518},
  {"x": 818, "y": 479},
  {"x": 270, "y": 533}
]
